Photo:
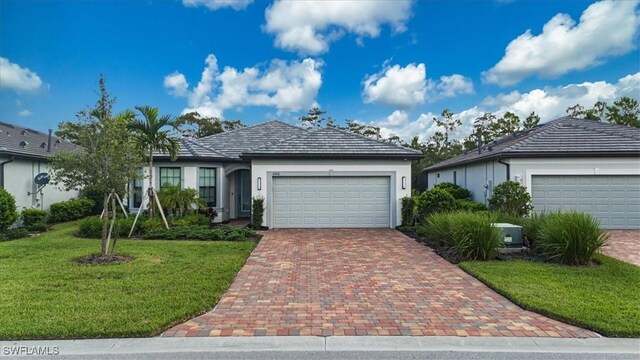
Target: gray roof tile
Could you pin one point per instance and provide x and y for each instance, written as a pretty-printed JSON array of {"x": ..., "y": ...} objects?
[
  {"x": 331, "y": 142},
  {"x": 16, "y": 140},
  {"x": 565, "y": 136}
]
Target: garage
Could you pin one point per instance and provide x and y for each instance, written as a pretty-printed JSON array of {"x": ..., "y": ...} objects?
[
  {"x": 331, "y": 202},
  {"x": 612, "y": 199}
]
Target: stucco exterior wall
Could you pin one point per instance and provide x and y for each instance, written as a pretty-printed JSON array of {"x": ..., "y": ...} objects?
[
  {"x": 480, "y": 178},
  {"x": 401, "y": 168},
  {"x": 190, "y": 179},
  {"x": 18, "y": 181}
]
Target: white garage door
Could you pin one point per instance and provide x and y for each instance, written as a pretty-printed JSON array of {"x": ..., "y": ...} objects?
[
  {"x": 614, "y": 200},
  {"x": 316, "y": 202}
]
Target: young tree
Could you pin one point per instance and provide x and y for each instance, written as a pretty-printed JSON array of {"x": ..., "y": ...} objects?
[
  {"x": 314, "y": 119},
  {"x": 195, "y": 126},
  {"x": 531, "y": 121},
  {"x": 107, "y": 158},
  {"x": 149, "y": 135},
  {"x": 624, "y": 111}
]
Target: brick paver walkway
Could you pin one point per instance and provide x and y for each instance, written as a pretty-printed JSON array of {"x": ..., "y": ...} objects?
[
  {"x": 624, "y": 245},
  {"x": 361, "y": 282}
]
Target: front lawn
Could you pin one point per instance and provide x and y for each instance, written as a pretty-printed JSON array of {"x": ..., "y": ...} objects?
[
  {"x": 45, "y": 294},
  {"x": 602, "y": 298}
]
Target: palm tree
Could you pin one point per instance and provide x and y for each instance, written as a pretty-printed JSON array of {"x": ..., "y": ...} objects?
[{"x": 149, "y": 135}]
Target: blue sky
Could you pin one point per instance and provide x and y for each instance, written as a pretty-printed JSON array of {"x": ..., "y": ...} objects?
[{"x": 392, "y": 64}]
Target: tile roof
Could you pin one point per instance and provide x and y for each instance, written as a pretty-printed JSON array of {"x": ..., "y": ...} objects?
[
  {"x": 16, "y": 140},
  {"x": 565, "y": 136},
  {"x": 233, "y": 143},
  {"x": 191, "y": 149},
  {"x": 330, "y": 142}
]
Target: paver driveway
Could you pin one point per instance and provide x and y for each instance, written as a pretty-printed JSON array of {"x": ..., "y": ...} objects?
[
  {"x": 361, "y": 282},
  {"x": 624, "y": 245}
]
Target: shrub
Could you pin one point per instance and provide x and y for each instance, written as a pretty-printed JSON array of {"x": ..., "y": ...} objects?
[
  {"x": 408, "y": 204},
  {"x": 458, "y": 192},
  {"x": 179, "y": 201},
  {"x": 570, "y": 238},
  {"x": 8, "y": 212},
  {"x": 209, "y": 212},
  {"x": 70, "y": 210},
  {"x": 148, "y": 225},
  {"x": 14, "y": 234},
  {"x": 468, "y": 205},
  {"x": 191, "y": 220},
  {"x": 433, "y": 201},
  {"x": 96, "y": 196},
  {"x": 469, "y": 236},
  {"x": 257, "y": 211},
  {"x": 90, "y": 227},
  {"x": 37, "y": 227},
  {"x": 33, "y": 216},
  {"x": 220, "y": 233},
  {"x": 512, "y": 198}
]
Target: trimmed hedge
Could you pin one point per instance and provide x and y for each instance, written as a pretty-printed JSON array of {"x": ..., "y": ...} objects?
[
  {"x": 434, "y": 201},
  {"x": 457, "y": 191},
  {"x": 408, "y": 210},
  {"x": 69, "y": 210},
  {"x": 219, "y": 233},
  {"x": 14, "y": 234},
  {"x": 33, "y": 216},
  {"x": 257, "y": 212},
  {"x": 468, "y": 205}
]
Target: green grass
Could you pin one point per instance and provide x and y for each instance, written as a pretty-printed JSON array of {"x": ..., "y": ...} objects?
[
  {"x": 45, "y": 294},
  {"x": 603, "y": 298}
]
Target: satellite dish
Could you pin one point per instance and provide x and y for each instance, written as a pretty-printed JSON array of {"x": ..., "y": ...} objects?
[{"x": 42, "y": 179}]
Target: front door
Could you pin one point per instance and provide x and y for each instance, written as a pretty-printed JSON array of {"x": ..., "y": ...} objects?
[{"x": 244, "y": 193}]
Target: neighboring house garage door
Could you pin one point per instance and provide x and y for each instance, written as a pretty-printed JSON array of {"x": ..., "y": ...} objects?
[
  {"x": 316, "y": 202},
  {"x": 613, "y": 200}
]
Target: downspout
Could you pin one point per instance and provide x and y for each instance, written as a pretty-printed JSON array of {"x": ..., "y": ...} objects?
[
  {"x": 2, "y": 171},
  {"x": 508, "y": 167}
]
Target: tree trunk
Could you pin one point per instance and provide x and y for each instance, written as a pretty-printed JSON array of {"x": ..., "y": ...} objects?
[
  {"x": 105, "y": 226},
  {"x": 115, "y": 214},
  {"x": 150, "y": 190}
]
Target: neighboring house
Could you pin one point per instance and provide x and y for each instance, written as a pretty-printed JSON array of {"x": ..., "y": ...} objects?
[
  {"x": 308, "y": 178},
  {"x": 566, "y": 164},
  {"x": 24, "y": 153}
]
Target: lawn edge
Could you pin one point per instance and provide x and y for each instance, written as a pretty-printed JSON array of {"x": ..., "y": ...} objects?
[{"x": 552, "y": 315}]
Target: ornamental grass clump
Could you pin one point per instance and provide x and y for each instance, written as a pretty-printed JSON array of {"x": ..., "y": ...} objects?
[
  {"x": 466, "y": 235},
  {"x": 570, "y": 238}
]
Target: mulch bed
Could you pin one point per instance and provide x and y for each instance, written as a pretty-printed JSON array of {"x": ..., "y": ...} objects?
[{"x": 95, "y": 259}]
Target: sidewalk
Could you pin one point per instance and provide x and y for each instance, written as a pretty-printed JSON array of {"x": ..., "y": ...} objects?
[{"x": 168, "y": 346}]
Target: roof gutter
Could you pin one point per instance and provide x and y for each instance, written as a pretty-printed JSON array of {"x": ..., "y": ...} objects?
[{"x": 2, "y": 164}]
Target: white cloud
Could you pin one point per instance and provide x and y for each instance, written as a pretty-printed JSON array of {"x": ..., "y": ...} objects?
[
  {"x": 407, "y": 87},
  {"x": 286, "y": 86},
  {"x": 24, "y": 113},
  {"x": 309, "y": 27},
  {"x": 397, "y": 86},
  {"x": 549, "y": 103},
  {"x": 176, "y": 84},
  {"x": 14, "y": 77},
  {"x": 450, "y": 86},
  {"x": 606, "y": 28},
  {"x": 218, "y": 4}
]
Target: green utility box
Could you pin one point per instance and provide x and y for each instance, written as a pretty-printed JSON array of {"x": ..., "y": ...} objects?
[{"x": 511, "y": 233}]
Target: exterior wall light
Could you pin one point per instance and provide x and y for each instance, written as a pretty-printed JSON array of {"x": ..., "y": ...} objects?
[
  {"x": 404, "y": 182},
  {"x": 259, "y": 183}
]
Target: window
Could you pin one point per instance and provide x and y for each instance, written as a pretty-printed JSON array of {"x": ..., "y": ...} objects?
[
  {"x": 455, "y": 178},
  {"x": 170, "y": 175},
  {"x": 137, "y": 190},
  {"x": 207, "y": 185}
]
